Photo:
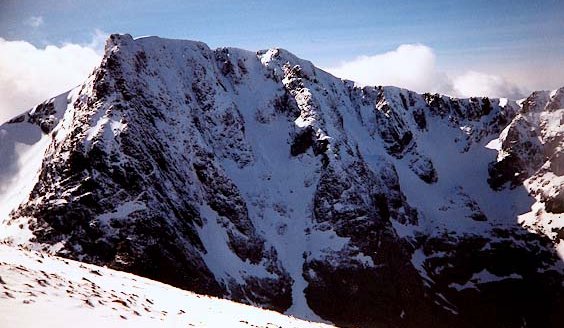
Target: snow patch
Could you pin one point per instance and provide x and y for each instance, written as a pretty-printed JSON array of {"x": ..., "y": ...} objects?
[{"x": 483, "y": 277}]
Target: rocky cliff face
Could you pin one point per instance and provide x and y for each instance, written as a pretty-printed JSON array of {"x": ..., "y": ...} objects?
[{"x": 260, "y": 178}]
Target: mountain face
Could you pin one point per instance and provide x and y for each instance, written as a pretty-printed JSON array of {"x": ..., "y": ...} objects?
[{"x": 260, "y": 178}]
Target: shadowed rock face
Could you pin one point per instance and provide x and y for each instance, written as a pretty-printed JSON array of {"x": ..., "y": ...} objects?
[{"x": 260, "y": 178}]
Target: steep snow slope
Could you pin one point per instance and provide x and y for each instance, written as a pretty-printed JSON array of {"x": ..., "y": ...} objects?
[
  {"x": 23, "y": 146},
  {"x": 260, "y": 178},
  {"x": 42, "y": 290}
]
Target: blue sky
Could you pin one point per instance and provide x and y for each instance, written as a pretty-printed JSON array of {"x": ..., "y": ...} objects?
[
  {"x": 325, "y": 32},
  {"x": 517, "y": 41}
]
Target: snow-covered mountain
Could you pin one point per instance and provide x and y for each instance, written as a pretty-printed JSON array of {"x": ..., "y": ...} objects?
[{"x": 260, "y": 178}]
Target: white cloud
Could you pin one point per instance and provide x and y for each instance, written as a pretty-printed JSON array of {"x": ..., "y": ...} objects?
[
  {"x": 474, "y": 83},
  {"x": 35, "y": 21},
  {"x": 414, "y": 67},
  {"x": 30, "y": 75},
  {"x": 411, "y": 66},
  {"x": 98, "y": 41}
]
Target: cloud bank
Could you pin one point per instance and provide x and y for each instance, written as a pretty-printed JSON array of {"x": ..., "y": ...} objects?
[
  {"x": 414, "y": 67},
  {"x": 30, "y": 75},
  {"x": 474, "y": 83}
]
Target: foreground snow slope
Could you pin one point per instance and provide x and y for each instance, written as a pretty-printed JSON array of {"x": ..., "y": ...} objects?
[{"x": 47, "y": 291}]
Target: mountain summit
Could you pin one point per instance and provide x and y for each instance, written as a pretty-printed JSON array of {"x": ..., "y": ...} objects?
[{"x": 257, "y": 177}]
